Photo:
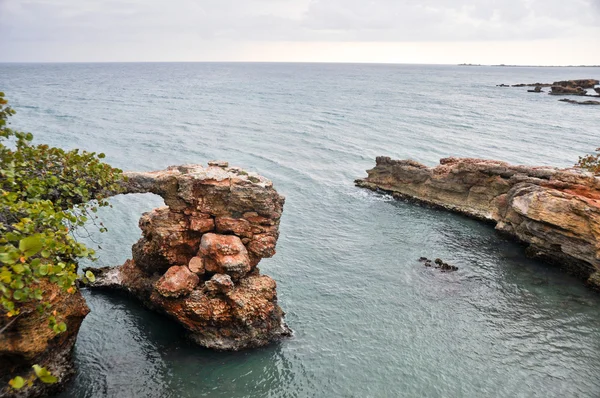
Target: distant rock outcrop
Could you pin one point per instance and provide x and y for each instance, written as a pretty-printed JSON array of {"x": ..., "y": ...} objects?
[
  {"x": 570, "y": 101},
  {"x": 537, "y": 89},
  {"x": 556, "y": 212},
  {"x": 567, "y": 90},
  {"x": 197, "y": 258},
  {"x": 583, "y": 83},
  {"x": 532, "y": 85}
]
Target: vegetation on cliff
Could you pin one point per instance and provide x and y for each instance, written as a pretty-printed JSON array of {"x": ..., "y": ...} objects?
[{"x": 45, "y": 194}]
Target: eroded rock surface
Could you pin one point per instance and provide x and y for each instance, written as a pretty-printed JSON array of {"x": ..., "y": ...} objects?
[
  {"x": 555, "y": 211},
  {"x": 197, "y": 258},
  {"x": 29, "y": 340}
]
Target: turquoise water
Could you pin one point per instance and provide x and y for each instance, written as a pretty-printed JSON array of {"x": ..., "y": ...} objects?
[{"x": 369, "y": 319}]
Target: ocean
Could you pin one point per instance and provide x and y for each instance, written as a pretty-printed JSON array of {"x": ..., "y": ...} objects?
[{"x": 369, "y": 319}]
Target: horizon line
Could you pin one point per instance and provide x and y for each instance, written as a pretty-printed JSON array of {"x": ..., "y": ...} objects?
[{"x": 306, "y": 62}]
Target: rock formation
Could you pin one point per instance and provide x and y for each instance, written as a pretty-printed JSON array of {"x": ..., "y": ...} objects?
[
  {"x": 555, "y": 211},
  {"x": 197, "y": 258},
  {"x": 570, "y": 101},
  {"x": 537, "y": 89},
  {"x": 567, "y": 90},
  {"x": 532, "y": 85},
  {"x": 28, "y": 340},
  {"x": 583, "y": 83}
]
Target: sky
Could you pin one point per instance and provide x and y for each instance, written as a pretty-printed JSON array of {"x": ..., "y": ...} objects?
[{"x": 525, "y": 32}]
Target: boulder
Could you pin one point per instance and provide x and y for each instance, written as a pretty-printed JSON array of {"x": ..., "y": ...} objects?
[
  {"x": 177, "y": 281},
  {"x": 224, "y": 254},
  {"x": 219, "y": 284}
]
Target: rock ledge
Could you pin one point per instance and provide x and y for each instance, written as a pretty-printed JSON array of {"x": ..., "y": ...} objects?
[{"x": 555, "y": 211}]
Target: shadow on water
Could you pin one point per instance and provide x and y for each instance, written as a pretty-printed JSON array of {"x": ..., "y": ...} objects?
[{"x": 126, "y": 350}]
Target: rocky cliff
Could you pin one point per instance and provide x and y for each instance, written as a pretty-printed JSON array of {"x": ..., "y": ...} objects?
[
  {"x": 555, "y": 211},
  {"x": 28, "y": 340},
  {"x": 197, "y": 258}
]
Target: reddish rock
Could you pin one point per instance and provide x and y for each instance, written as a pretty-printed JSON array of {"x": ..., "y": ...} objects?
[
  {"x": 202, "y": 224},
  {"x": 219, "y": 284},
  {"x": 196, "y": 265},
  {"x": 177, "y": 281},
  {"x": 237, "y": 226},
  {"x": 224, "y": 254},
  {"x": 555, "y": 211},
  {"x": 29, "y": 340},
  {"x": 237, "y": 307}
]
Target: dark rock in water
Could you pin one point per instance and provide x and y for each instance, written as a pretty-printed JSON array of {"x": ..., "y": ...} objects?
[
  {"x": 439, "y": 264},
  {"x": 537, "y": 89},
  {"x": 555, "y": 211},
  {"x": 532, "y": 85},
  {"x": 570, "y": 101},
  {"x": 567, "y": 90},
  {"x": 502, "y": 85},
  {"x": 197, "y": 259},
  {"x": 597, "y": 89}
]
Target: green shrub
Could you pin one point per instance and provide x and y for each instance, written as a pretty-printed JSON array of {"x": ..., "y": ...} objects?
[{"x": 45, "y": 194}]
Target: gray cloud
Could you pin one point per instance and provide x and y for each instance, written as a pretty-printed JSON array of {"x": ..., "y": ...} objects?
[{"x": 137, "y": 21}]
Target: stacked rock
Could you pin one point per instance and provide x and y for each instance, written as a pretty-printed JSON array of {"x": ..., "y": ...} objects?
[{"x": 197, "y": 258}]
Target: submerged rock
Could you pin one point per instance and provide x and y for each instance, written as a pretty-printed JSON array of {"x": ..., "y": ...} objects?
[
  {"x": 439, "y": 264},
  {"x": 532, "y": 85},
  {"x": 197, "y": 258},
  {"x": 555, "y": 211},
  {"x": 570, "y": 101}
]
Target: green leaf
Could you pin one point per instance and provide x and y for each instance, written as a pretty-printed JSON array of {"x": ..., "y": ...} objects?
[
  {"x": 44, "y": 375},
  {"x": 17, "y": 383},
  {"x": 49, "y": 379},
  {"x": 31, "y": 245},
  {"x": 19, "y": 295},
  {"x": 43, "y": 270},
  {"x": 90, "y": 276},
  {"x": 7, "y": 258},
  {"x": 62, "y": 327}
]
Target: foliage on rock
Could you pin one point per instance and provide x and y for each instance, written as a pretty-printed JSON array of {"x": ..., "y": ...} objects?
[
  {"x": 45, "y": 193},
  {"x": 590, "y": 162}
]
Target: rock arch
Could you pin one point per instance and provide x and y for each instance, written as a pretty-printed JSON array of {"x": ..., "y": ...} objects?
[{"x": 197, "y": 258}]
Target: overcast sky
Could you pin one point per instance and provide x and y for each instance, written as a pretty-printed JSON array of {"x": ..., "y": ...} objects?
[{"x": 551, "y": 32}]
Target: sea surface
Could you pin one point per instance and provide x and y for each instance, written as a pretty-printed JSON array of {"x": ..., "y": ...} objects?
[{"x": 369, "y": 319}]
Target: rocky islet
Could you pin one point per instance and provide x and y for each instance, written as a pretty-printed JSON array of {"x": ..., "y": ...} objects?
[{"x": 197, "y": 259}]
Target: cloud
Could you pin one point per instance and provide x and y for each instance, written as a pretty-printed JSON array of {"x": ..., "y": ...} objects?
[{"x": 102, "y": 23}]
